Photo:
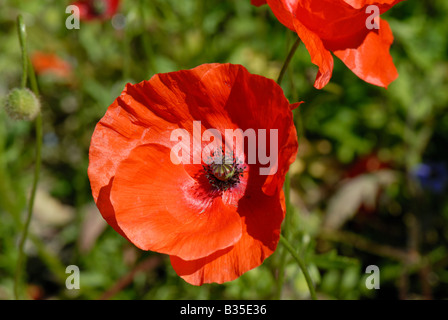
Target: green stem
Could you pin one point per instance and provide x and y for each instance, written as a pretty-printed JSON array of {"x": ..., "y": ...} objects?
[
  {"x": 288, "y": 60},
  {"x": 22, "y": 39},
  {"x": 21, "y": 258},
  {"x": 287, "y": 192},
  {"x": 301, "y": 265},
  {"x": 39, "y": 134},
  {"x": 287, "y": 184},
  {"x": 286, "y": 224},
  {"x": 33, "y": 81}
]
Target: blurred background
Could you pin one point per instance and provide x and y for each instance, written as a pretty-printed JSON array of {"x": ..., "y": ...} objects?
[{"x": 369, "y": 186}]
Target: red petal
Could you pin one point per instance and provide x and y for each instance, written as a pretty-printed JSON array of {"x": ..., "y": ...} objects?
[
  {"x": 339, "y": 26},
  {"x": 384, "y": 5},
  {"x": 111, "y": 8},
  {"x": 128, "y": 123},
  {"x": 320, "y": 56},
  {"x": 371, "y": 61},
  {"x": 328, "y": 19},
  {"x": 258, "y": 2},
  {"x": 88, "y": 11},
  {"x": 262, "y": 217},
  {"x": 274, "y": 182},
  {"x": 288, "y": 12},
  {"x": 253, "y": 98},
  {"x": 283, "y": 10},
  {"x": 106, "y": 208},
  {"x": 295, "y": 105},
  {"x": 160, "y": 207},
  {"x": 50, "y": 63}
]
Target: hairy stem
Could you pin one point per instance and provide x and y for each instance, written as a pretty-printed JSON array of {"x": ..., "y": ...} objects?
[
  {"x": 288, "y": 60},
  {"x": 22, "y": 39},
  {"x": 287, "y": 184},
  {"x": 38, "y": 157},
  {"x": 301, "y": 264}
]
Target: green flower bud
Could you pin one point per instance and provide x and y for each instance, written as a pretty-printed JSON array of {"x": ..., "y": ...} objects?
[{"x": 22, "y": 104}]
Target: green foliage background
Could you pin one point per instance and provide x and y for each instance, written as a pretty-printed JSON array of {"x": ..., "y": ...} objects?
[{"x": 341, "y": 222}]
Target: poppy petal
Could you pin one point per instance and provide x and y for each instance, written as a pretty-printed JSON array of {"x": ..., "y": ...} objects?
[
  {"x": 160, "y": 207},
  {"x": 384, "y": 5},
  {"x": 320, "y": 56},
  {"x": 274, "y": 182},
  {"x": 261, "y": 231},
  {"x": 247, "y": 105},
  {"x": 129, "y": 122},
  {"x": 258, "y": 2},
  {"x": 371, "y": 61},
  {"x": 295, "y": 105},
  {"x": 97, "y": 9},
  {"x": 339, "y": 26},
  {"x": 50, "y": 63},
  {"x": 283, "y": 11}
]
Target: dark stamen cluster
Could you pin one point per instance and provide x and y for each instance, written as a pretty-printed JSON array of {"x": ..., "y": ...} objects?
[{"x": 217, "y": 181}]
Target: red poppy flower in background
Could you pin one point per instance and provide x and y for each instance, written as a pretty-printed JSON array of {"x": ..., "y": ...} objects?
[
  {"x": 50, "y": 63},
  {"x": 339, "y": 26},
  {"x": 214, "y": 228},
  {"x": 258, "y": 2},
  {"x": 367, "y": 164},
  {"x": 97, "y": 9}
]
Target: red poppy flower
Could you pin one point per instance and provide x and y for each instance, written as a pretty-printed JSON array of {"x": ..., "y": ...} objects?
[
  {"x": 340, "y": 26},
  {"x": 257, "y": 2},
  {"x": 366, "y": 164},
  {"x": 97, "y": 9},
  {"x": 50, "y": 63},
  {"x": 216, "y": 221}
]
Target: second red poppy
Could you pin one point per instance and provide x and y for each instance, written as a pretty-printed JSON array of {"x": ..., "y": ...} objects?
[{"x": 341, "y": 27}]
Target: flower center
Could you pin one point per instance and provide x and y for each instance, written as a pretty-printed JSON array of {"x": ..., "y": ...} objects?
[{"x": 223, "y": 172}]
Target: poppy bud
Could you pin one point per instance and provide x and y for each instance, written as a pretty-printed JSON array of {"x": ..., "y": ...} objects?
[{"x": 22, "y": 104}]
